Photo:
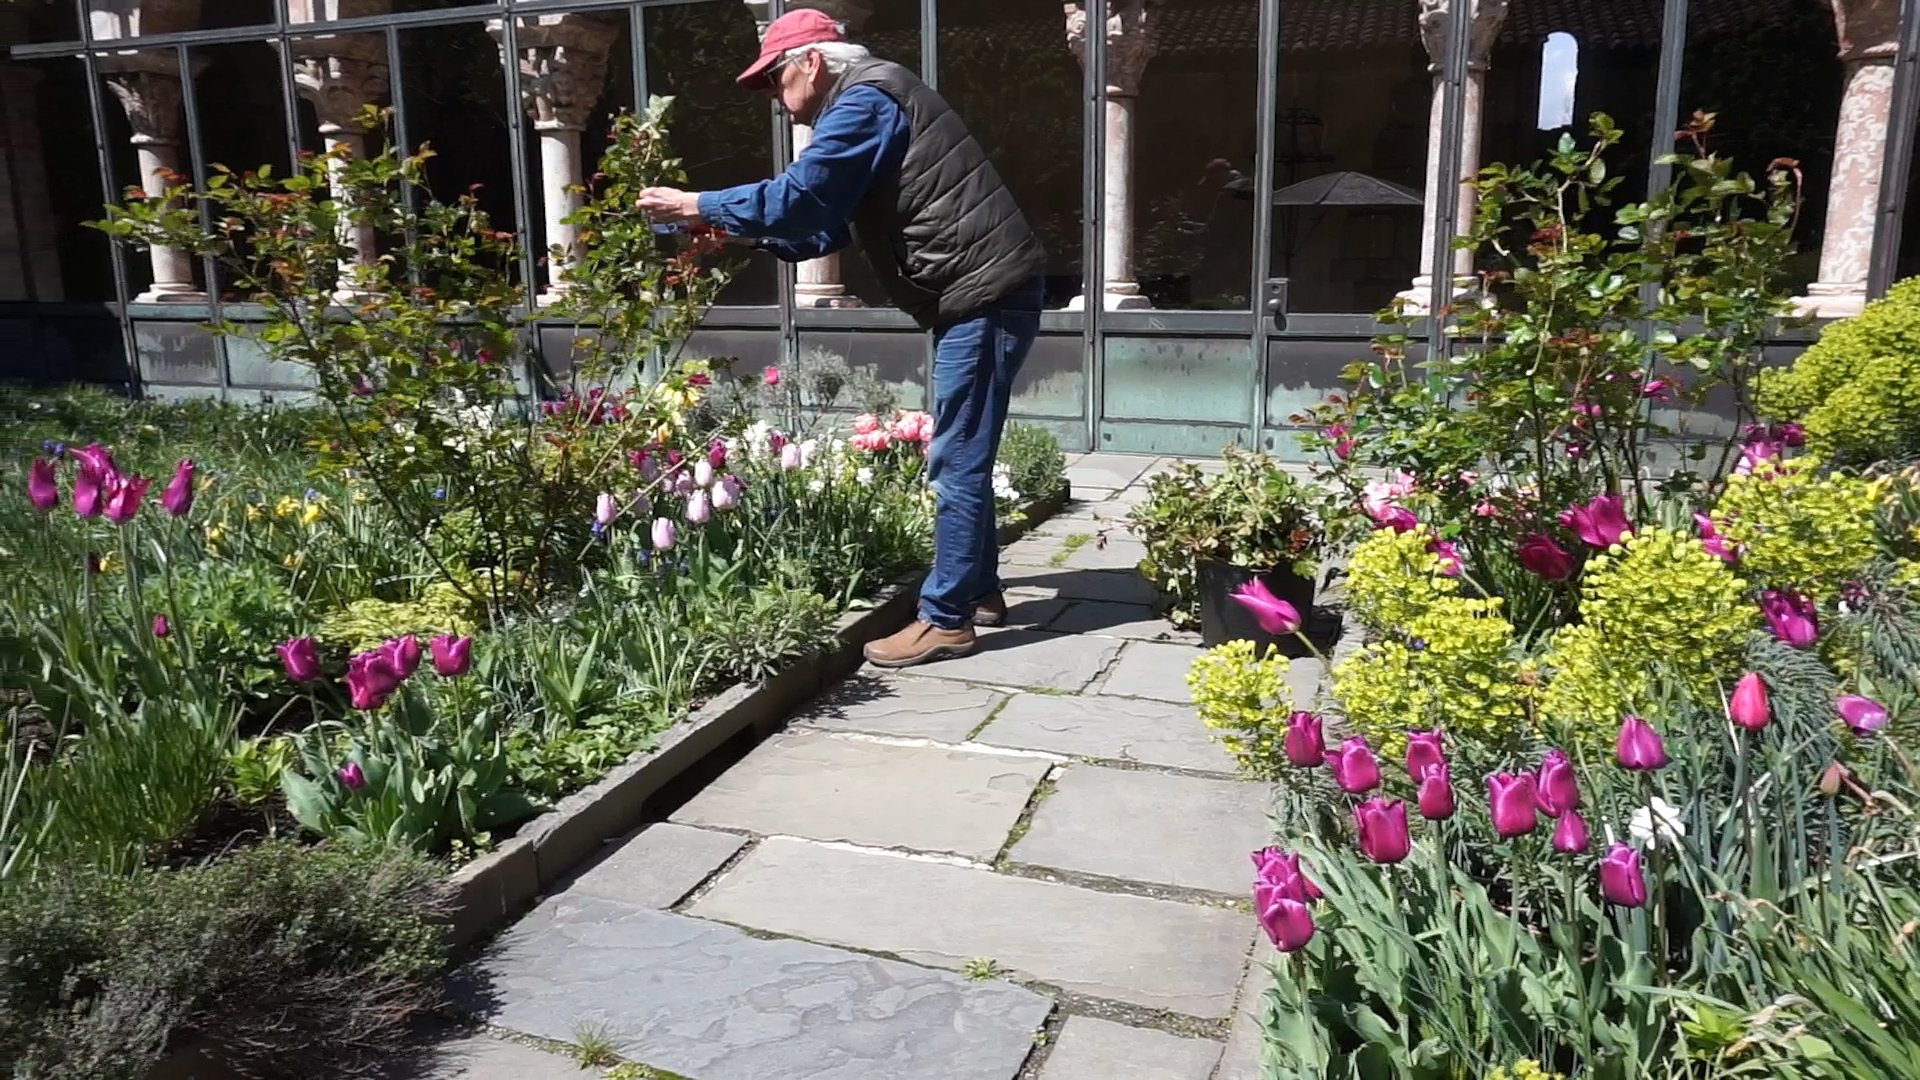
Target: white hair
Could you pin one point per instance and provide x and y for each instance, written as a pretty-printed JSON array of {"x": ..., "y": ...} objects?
[{"x": 837, "y": 55}]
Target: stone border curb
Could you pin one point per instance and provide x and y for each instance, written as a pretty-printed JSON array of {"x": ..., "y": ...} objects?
[{"x": 504, "y": 883}]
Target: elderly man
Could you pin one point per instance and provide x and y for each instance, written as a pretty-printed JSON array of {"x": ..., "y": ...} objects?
[{"x": 892, "y": 169}]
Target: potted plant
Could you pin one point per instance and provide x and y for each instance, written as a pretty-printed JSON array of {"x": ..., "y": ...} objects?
[{"x": 1210, "y": 536}]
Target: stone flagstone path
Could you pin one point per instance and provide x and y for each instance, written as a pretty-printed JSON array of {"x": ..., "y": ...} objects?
[{"x": 1030, "y": 862}]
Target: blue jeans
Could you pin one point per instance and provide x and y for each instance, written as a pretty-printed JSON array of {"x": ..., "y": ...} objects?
[{"x": 974, "y": 365}]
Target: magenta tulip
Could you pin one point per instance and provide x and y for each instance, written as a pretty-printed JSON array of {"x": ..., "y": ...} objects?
[
  {"x": 1282, "y": 870},
  {"x": 404, "y": 652},
  {"x": 178, "y": 498},
  {"x": 301, "y": 657},
  {"x": 1383, "y": 830},
  {"x": 352, "y": 776},
  {"x": 1557, "y": 790},
  {"x": 1513, "y": 800},
  {"x": 43, "y": 491},
  {"x": 1396, "y": 517},
  {"x": 771, "y": 376},
  {"x": 1305, "y": 744},
  {"x": 96, "y": 457},
  {"x": 1863, "y": 714},
  {"x": 1791, "y": 616},
  {"x": 1711, "y": 539},
  {"x": 1749, "y": 707},
  {"x": 1544, "y": 558},
  {"x": 1621, "y": 881},
  {"x": 717, "y": 454},
  {"x": 88, "y": 490},
  {"x": 1600, "y": 522},
  {"x": 1354, "y": 767},
  {"x": 452, "y": 655},
  {"x": 1424, "y": 749},
  {"x": 1288, "y": 922},
  {"x": 1639, "y": 747},
  {"x": 1570, "y": 835},
  {"x": 1436, "y": 793},
  {"x": 161, "y": 627},
  {"x": 1451, "y": 565},
  {"x": 1274, "y": 615},
  {"x": 123, "y": 496},
  {"x": 372, "y": 678}
]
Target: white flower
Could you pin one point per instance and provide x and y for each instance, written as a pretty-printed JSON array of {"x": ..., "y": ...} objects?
[
  {"x": 1641, "y": 825},
  {"x": 808, "y": 450},
  {"x": 816, "y": 486},
  {"x": 864, "y": 477}
]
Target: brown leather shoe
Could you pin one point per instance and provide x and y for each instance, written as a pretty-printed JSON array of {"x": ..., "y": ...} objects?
[
  {"x": 920, "y": 643},
  {"x": 992, "y": 611}
]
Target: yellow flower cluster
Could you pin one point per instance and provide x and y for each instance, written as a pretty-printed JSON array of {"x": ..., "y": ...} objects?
[
  {"x": 1857, "y": 389},
  {"x": 1247, "y": 699},
  {"x": 1525, "y": 1069},
  {"x": 1659, "y": 603},
  {"x": 309, "y": 510},
  {"x": 1452, "y": 666},
  {"x": 1801, "y": 530},
  {"x": 1392, "y": 579}
]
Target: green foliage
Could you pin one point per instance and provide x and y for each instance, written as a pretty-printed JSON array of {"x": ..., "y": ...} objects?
[
  {"x": 751, "y": 636},
  {"x": 292, "y": 960},
  {"x": 1035, "y": 466},
  {"x": 1394, "y": 578},
  {"x": 1800, "y": 528},
  {"x": 1252, "y": 514},
  {"x": 1857, "y": 389},
  {"x": 254, "y": 767},
  {"x": 441, "y": 608},
  {"x": 1246, "y": 699},
  {"x": 1452, "y": 667}
]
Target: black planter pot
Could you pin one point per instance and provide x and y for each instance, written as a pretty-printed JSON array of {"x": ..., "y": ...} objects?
[{"x": 1224, "y": 619}]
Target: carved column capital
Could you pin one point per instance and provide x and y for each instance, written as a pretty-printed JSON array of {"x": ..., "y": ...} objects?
[
  {"x": 1130, "y": 43},
  {"x": 563, "y": 66},
  {"x": 339, "y": 87},
  {"x": 1868, "y": 29},
  {"x": 151, "y": 100},
  {"x": 1485, "y": 23}
]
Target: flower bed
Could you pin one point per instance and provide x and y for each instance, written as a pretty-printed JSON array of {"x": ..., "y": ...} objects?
[
  {"x": 401, "y": 623},
  {"x": 1614, "y": 781}
]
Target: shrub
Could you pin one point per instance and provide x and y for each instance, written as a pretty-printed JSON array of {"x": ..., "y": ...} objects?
[
  {"x": 1248, "y": 700},
  {"x": 1857, "y": 390},
  {"x": 1035, "y": 465},
  {"x": 299, "y": 961}
]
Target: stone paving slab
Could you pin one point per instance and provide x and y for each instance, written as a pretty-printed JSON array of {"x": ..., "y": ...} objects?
[
  {"x": 1184, "y": 958},
  {"x": 1189, "y": 832},
  {"x": 1035, "y": 551},
  {"x": 1151, "y": 669},
  {"x": 904, "y": 706},
  {"x": 1094, "y": 1049},
  {"x": 659, "y": 865},
  {"x": 1122, "y": 587},
  {"x": 833, "y": 787},
  {"x": 483, "y": 1057},
  {"x": 1118, "y": 553},
  {"x": 1111, "y": 471},
  {"x": 1117, "y": 729},
  {"x": 1032, "y": 610},
  {"x": 710, "y": 1002},
  {"x": 1246, "y": 1036},
  {"x": 1111, "y": 620},
  {"x": 1031, "y": 658}
]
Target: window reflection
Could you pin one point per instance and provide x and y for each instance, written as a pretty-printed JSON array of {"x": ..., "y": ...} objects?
[
  {"x": 1559, "y": 79},
  {"x": 54, "y": 181}
]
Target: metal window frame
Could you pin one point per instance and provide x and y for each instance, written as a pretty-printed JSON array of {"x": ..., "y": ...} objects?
[{"x": 1896, "y": 171}]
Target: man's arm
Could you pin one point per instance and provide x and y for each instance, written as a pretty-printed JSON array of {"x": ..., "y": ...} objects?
[
  {"x": 860, "y": 139},
  {"x": 812, "y": 247}
]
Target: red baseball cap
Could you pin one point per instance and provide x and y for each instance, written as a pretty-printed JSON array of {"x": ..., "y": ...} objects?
[{"x": 793, "y": 30}]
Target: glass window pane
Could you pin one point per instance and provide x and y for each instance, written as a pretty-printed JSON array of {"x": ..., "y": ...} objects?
[
  {"x": 455, "y": 95},
  {"x": 241, "y": 120},
  {"x": 50, "y": 186},
  {"x": 722, "y": 134},
  {"x": 1005, "y": 66},
  {"x": 1350, "y": 166},
  {"x": 143, "y": 98},
  {"x": 24, "y": 22}
]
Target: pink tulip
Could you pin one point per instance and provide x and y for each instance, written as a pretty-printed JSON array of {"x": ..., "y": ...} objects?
[
  {"x": 1570, "y": 835},
  {"x": 771, "y": 376},
  {"x": 699, "y": 508},
  {"x": 1306, "y": 746},
  {"x": 717, "y": 454},
  {"x": 123, "y": 496},
  {"x": 43, "y": 490},
  {"x": 1639, "y": 747},
  {"x": 1749, "y": 707},
  {"x": 1383, "y": 830},
  {"x": 726, "y": 493},
  {"x": 161, "y": 627},
  {"x": 866, "y": 424},
  {"x": 178, "y": 498},
  {"x": 1863, "y": 714},
  {"x": 1791, "y": 616},
  {"x": 871, "y": 441},
  {"x": 1396, "y": 517},
  {"x": 1424, "y": 749},
  {"x": 1282, "y": 870},
  {"x": 605, "y": 509},
  {"x": 703, "y": 473},
  {"x": 1541, "y": 556},
  {"x": 1513, "y": 799},
  {"x": 452, "y": 656},
  {"x": 352, "y": 776},
  {"x": 790, "y": 457},
  {"x": 1557, "y": 790},
  {"x": 1436, "y": 793},
  {"x": 663, "y": 534},
  {"x": 1451, "y": 564},
  {"x": 1289, "y": 923},
  {"x": 1274, "y": 615},
  {"x": 1354, "y": 767},
  {"x": 1601, "y": 522},
  {"x": 404, "y": 652},
  {"x": 1621, "y": 881},
  {"x": 301, "y": 657},
  {"x": 1711, "y": 539}
]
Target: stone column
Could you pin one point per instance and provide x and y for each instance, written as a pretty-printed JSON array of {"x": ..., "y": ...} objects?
[
  {"x": 149, "y": 91},
  {"x": 563, "y": 68},
  {"x": 1486, "y": 20},
  {"x": 1869, "y": 33},
  {"x": 1130, "y": 44},
  {"x": 340, "y": 74}
]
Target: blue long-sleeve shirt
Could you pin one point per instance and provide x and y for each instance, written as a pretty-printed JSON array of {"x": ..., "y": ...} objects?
[{"x": 803, "y": 213}]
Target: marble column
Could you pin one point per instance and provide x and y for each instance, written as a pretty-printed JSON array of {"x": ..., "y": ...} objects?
[
  {"x": 1485, "y": 27},
  {"x": 149, "y": 91},
  {"x": 340, "y": 74},
  {"x": 1869, "y": 33},
  {"x": 1129, "y": 44},
  {"x": 563, "y": 69}
]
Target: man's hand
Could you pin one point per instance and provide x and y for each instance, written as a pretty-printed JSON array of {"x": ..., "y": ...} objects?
[{"x": 670, "y": 206}]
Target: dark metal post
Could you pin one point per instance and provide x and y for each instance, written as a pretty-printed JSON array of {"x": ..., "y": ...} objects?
[
  {"x": 930, "y": 43},
  {"x": 116, "y": 250},
  {"x": 1093, "y": 273},
  {"x": 1263, "y": 183},
  {"x": 1453, "y": 68},
  {"x": 1897, "y": 168},
  {"x": 637, "y": 42},
  {"x": 1666, "y": 107},
  {"x": 517, "y": 156},
  {"x": 197, "y": 168}
]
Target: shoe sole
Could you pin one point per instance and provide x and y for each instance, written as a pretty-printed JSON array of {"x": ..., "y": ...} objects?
[
  {"x": 989, "y": 619},
  {"x": 938, "y": 652}
]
